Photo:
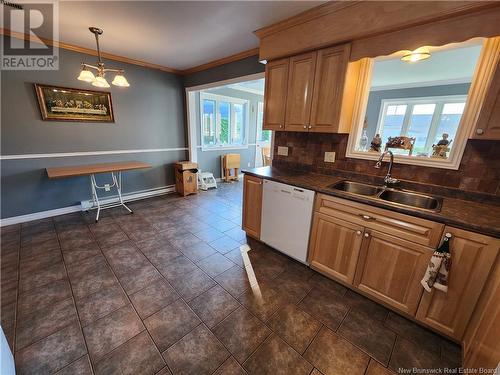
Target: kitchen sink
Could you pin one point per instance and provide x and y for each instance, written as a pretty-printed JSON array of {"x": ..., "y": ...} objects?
[
  {"x": 408, "y": 198},
  {"x": 389, "y": 195},
  {"x": 357, "y": 188}
]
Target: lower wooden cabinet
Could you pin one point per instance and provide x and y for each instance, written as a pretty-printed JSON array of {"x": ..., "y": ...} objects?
[
  {"x": 390, "y": 269},
  {"x": 473, "y": 256},
  {"x": 334, "y": 247},
  {"x": 252, "y": 205}
]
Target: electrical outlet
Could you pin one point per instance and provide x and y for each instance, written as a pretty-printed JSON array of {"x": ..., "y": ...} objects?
[
  {"x": 330, "y": 157},
  {"x": 282, "y": 150}
]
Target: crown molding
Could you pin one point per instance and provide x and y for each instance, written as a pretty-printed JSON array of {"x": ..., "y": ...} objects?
[{"x": 127, "y": 60}]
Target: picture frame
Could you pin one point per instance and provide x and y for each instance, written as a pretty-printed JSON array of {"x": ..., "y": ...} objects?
[{"x": 58, "y": 103}]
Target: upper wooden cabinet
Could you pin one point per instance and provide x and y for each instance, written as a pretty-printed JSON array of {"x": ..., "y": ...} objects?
[
  {"x": 252, "y": 205},
  {"x": 275, "y": 94},
  {"x": 473, "y": 256},
  {"x": 300, "y": 91},
  {"x": 328, "y": 92},
  {"x": 313, "y": 94}
]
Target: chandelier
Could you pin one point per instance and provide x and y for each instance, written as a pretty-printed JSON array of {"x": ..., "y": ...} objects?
[{"x": 99, "y": 79}]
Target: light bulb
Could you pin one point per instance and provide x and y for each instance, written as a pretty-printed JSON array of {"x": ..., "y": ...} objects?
[
  {"x": 120, "y": 80},
  {"x": 86, "y": 76},
  {"x": 100, "y": 82},
  {"x": 419, "y": 54}
]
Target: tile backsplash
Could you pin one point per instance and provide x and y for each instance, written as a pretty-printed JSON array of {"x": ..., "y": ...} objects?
[{"x": 479, "y": 170}]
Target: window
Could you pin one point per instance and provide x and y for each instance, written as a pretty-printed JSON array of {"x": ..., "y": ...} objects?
[
  {"x": 223, "y": 121},
  {"x": 262, "y": 135},
  {"x": 425, "y": 119}
]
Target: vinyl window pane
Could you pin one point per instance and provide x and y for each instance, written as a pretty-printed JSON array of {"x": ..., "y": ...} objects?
[
  {"x": 224, "y": 114},
  {"x": 449, "y": 121},
  {"x": 208, "y": 122},
  {"x": 393, "y": 121},
  {"x": 420, "y": 123}
]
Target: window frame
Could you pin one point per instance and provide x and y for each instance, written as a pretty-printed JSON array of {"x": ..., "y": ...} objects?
[
  {"x": 246, "y": 119},
  {"x": 438, "y": 101}
]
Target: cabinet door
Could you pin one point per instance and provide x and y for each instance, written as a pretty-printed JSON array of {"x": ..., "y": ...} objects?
[
  {"x": 331, "y": 70},
  {"x": 300, "y": 90},
  {"x": 252, "y": 205},
  {"x": 334, "y": 247},
  {"x": 390, "y": 269},
  {"x": 275, "y": 94},
  {"x": 472, "y": 258},
  {"x": 488, "y": 124}
]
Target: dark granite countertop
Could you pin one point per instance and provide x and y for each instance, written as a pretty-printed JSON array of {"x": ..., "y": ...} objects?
[{"x": 466, "y": 214}]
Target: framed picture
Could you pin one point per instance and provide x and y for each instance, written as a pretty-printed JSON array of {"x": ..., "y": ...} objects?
[{"x": 65, "y": 104}]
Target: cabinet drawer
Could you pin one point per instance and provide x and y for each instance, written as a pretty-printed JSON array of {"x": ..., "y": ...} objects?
[{"x": 414, "y": 229}]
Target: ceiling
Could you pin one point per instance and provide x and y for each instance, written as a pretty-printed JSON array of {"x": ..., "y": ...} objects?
[
  {"x": 175, "y": 34},
  {"x": 445, "y": 66}
]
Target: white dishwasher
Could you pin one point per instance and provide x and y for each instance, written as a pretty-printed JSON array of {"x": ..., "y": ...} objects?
[{"x": 286, "y": 218}]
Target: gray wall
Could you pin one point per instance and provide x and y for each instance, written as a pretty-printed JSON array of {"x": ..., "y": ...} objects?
[
  {"x": 148, "y": 115},
  {"x": 209, "y": 160},
  {"x": 235, "y": 69},
  {"x": 375, "y": 99}
]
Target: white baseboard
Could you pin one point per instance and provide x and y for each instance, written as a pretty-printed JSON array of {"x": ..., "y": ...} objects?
[{"x": 86, "y": 205}]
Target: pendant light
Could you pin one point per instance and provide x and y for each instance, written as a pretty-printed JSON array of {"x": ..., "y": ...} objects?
[
  {"x": 99, "y": 79},
  {"x": 419, "y": 54}
]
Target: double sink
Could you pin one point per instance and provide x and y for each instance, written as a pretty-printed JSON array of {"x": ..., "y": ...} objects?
[{"x": 397, "y": 197}]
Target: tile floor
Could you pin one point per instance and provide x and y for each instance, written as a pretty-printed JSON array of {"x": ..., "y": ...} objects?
[{"x": 177, "y": 288}]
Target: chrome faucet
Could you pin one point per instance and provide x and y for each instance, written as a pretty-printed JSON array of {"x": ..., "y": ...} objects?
[{"x": 388, "y": 180}]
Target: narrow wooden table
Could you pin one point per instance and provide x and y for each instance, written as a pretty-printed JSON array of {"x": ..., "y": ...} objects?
[{"x": 91, "y": 170}]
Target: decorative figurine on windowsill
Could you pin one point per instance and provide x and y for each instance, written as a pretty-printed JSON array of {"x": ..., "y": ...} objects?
[
  {"x": 442, "y": 148},
  {"x": 376, "y": 143}
]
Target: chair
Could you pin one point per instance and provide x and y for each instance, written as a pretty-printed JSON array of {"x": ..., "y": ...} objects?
[{"x": 266, "y": 156}]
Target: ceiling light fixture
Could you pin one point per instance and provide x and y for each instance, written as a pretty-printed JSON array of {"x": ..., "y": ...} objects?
[
  {"x": 99, "y": 80},
  {"x": 419, "y": 54}
]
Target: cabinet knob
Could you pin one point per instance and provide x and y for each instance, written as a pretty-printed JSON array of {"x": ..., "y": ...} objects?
[
  {"x": 305, "y": 126},
  {"x": 367, "y": 235},
  {"x": 358, "y": 232},
  {"x": 366, "y": 217},
  {"x": 281, "y": 126},
  {"x": 310, "y": 126},
  {"x": 479, "y": 131}
]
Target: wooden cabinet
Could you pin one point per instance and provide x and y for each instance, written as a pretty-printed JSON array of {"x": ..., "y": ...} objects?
[
  {"x": 390, "y": 270},
  {"x": 334, "y": 247},
  {"x": 300, "y": 91},
  {"x": 473, "y": 256},
  {"x": 275, "y": 94},
  {"x": 252, "y": 205},
  {"x": 305, "y": 92},
  {"x": 328, "y": 92}
]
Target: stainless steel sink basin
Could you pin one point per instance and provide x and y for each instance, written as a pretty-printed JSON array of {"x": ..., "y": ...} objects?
[
  {"x": 357, "y": 188},
  {"x": 407, "y": 198},
  {"x": 389, "y": 195}
]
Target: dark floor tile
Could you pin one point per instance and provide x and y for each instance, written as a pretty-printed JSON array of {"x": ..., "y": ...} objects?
[
  {"x": 152, "y": 298},
  {"x": 224, "y": 244},
  {"x": 262, "y": 300},
  {"x": 198, "y": 251},
  {"x": 137, "y": 356},
  {"x": 31, "y": 250},
  {"x": 186, "y": 240},
  {"x": 71, "y": 241},
  {"x": 236, "y": 280},
  {"x": 85, "y": 266},
  {"x": 52, "y": 353},
  {"x": 451, "y": 353},
  {"x": 80, "y": 253},
  {"x": 100, "y": 304},
  {"x": 363, "y": 305},
  {"x": 140, "y": 278},
  {"x": 266, "y": 269},
  {"x": 236, "y": 234},
  {"x": 112, "y": 238},
  {"x": 333, "y": 355},
  {"x": 230, "y": 367},
  {"x": 409, "y": 355},
  {"x": 106, "y": 334},
  {"x": 241, "y": 333},
  {"x": 214, "y": 305},
  {"x": 46, "y": 295},
  {"x": 192, "y": 284},
  {"x": 8, "y": 316},
  {"x": 197, "y": 353},
  {"x": 209, "y": 234},
  {"x": 413, "y": 332},
  {"x": 275, "y": 357},
  {"x": 292, "y": 286},
  {"x": 161, "y": 254},
  {"x": 222, "y": 224},
  {"x": 323, "y": 283},
  {"x": 215, "y": 264},
  {"x": 375, "y": 368},
  {"x": 369, "y": 334},
  {"x": 325, "y": 306},
  {"x": 42, "y": 277},
  {"x": 295, "y": 327},
  {"x": 177, "y": 267},
  {"x": 124, "y": 258},
  {"x": 171, "y": 323},
  {"x": 44, "y": 322},
  {"x": 39, "y": 262},
  {"x": 79, "y": 367},
  {"x": 238, "y": 256},
  {"x": 95, "y": 279}
]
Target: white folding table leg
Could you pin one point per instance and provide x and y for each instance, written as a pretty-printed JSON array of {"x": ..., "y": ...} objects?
[
  {"x": 95, "y": 197},
  {"x": 118, "y": 184}
]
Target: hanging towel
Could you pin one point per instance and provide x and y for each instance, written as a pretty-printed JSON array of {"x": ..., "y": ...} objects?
[
  {"x": 439, "y": 267},
  {"x": 441, "y": 282},
  {"x": 432, "y": 270}
]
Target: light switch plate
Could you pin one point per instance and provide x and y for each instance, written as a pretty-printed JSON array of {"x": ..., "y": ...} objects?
[
  {"x": 330, "y": 157},
  {"x": 282, "y": 150}
]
